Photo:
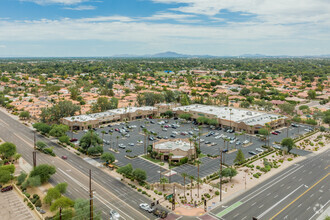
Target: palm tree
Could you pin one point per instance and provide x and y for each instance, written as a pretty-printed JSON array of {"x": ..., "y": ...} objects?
[
  {"x": 190, "y": 140},
  {"x": 268, "y": 129},
  {"x": 103, "y": 132},
  {"x": 169, "y": 165},
  {"x": 191, "y": 182},
  {"x": 160, "y": 171},
  {"x": 117, "y": 141},
  {"x": 199, "y": 135},
  {"x": 110, "y": 137},
  {"x": 287, "y": 128},
  {"x": 198, "y": 163},
  {"x": 184, "y": 175},
  {"x": 145, "y": 135},
  {"x": 163, "y": 181}
]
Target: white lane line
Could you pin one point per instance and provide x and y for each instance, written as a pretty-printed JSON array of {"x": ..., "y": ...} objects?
[
  {"x": 311, "y": 195},
  {"x": 299, "y": 205},
  {"x": 268, "y": 194},
  {"x": 320, "y": 210},
  {"x": 275, "y": 196},
  {"x": 236, "y": 215},
  {"x": 261, "y": 206},
  {"x": 271, "y": 208},
  {"x": 253, "y": 204},
  {"x": 288, "y": 187}
]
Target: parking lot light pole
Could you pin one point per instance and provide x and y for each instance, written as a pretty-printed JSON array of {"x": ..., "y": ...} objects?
[{"x": 220, "y": 175}]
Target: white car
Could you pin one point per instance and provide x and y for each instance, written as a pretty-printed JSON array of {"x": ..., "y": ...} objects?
[
  {"x": 133, "y": 126},
  {"x": 202, "y": 140},
  {"x": 224, "y": 136},
  {"x": 217, "y": 137},
  {"x": 232, "y": 141},
  {"x": 114, "y": 215},
  {"x": 140, "y": 142},
  {"x": 145, "y": 207},
  {"x": 164, "y": 129},
  {"x": 213, "y": 144},
  {"x": 246, "y": 142},
  {"x": 174, "y": 132},
  {"x": 259, "y": 150},
  {"x": 131, "y": 144}
]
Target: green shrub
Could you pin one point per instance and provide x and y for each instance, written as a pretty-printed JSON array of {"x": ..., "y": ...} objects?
[
  {"x": 38, "y": 203},
  {"x": 139, "y": 190},
  {"x": 290, "y": 159},
  {"x": 217, "y": 193}
]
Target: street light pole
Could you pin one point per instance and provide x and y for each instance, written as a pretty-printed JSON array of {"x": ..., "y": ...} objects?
[
  {"x": 34, "y": 153},
  {"x": 90, "y": 196},
  {"x": 220, "y": 175}
]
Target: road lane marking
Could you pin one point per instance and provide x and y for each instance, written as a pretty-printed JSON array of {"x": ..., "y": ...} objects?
[
  {"x": 300, "y": 196},
  {"x": 261, "y": 206},
  {"x": 271, "y": 208},
  {"x": 327, "y": 167},
  {"x": 320, "y": 210},
  {"x": 229, "y": 209},
  {"x": 275, "y": 196}
]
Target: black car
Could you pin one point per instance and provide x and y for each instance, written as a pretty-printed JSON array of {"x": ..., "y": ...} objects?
[
  {"x": 172, "y": 135},
  {"x": 151, "y": 139},
  {"x": 294, "y": 125},
  {"x": 109, "y": 126},
  {"x": 142, "y": 126},
  {"x": 152, "y": 122},
  {"x": 225, "y": 151},
  {"x": 207, "y": 142},
  {"x": 159, "y": 137}
]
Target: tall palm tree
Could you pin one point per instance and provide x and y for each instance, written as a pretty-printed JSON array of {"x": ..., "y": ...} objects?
[
  {"x": 117, "y": 141},
  {"x": 169, "y": 165},
  {"x": 145, "y": 135},
  {"x": 287, "y": 128},
  {"x": 163, "y": 181},
  {"x": 191, "y": 182},
  {"x": 103, "y": 132},
  {"x": 198, "y": 163},
  {"x": 160, "y": 170},
  {"x": 199, "y": 137},
  {"x": 184, "y": 175}
]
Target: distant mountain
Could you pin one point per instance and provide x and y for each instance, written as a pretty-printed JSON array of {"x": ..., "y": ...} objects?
[{"x": 168, "y": 54}]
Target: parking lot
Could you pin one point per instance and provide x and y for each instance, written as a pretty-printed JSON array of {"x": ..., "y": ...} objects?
[
  {"x": 13, "y": 207},
  {"x": 131, "y": 143}
]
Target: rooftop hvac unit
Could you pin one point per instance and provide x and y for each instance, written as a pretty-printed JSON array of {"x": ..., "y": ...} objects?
[{"x": 249, "y": 113}]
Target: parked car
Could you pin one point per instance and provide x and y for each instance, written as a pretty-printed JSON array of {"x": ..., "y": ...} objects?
[
  {"x": 116, "y": 129},
  {"x": 151, "y": 139},
  {"x": 201, "y": 140},
  {"x": 140, "y": 142},
  {"x": 190, "y": 132},
  {"x": 294, "y": 125},
  {"x": 246, "y": 142},
  {"x": 259, "y": 150},
  {"x": 277, "y": 146},
  {"x": 165, "y": 137},
  {"x": 274, "y": 133},
  {"x": 142, "y": 126},
  {"x": 114, "y": 215},
  {"x": 224, "y": 150},
  {"x": 252, "y": 152},
  {"x": 122, "y": 146},
  {"x": 164, "y": 129},
  {"x": 131, "y": 144},
  {"x": 213, "y": 144},
  {"x": 172, "y": 135},
  {"x": 238, "y": 142},
  {"x": 73, "y": 139},
  {"x": 207, "y": 142},
  {"x": 64, "y": 157},
  {"x": 278, "y": 132},
  {"x": 152, "y": 122},
  {"x": 232, "y": 141},
  {"x": 7, "y": 188}
]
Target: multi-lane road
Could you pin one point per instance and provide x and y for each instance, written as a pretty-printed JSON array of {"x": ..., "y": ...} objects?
[
  {"x": 301, "y": 191},
  {"x": 110, "y": 193}
]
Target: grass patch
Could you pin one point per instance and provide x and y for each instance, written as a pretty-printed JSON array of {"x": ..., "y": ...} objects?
[
  {"x": 147, "y": 157},
  {"x": 202, "y": 155}
]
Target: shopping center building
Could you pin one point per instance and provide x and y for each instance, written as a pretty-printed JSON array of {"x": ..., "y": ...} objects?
[
  {"x": 227, "y": 117},
  {"x": 175, "y": 149}
]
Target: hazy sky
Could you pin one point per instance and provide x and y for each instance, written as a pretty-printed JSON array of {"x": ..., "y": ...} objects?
[{"x": 214, "y": 27}]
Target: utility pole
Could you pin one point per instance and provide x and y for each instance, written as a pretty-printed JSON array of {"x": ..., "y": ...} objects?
[
  {"x": 90, "y": 196},
  {"x": 34, "y": 153},
  {"x": 60, "y": 213},
  {"x": 173, "y": 198},
  {"x": 220, "y": 175}
]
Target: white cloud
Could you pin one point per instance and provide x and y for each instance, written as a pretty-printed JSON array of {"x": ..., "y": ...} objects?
[
  {"x": 106, "y": 19},
  {"x": 279, "y": 11},
  {"x": 64, "y": 2},
  {"x": 81, "y": 8},
  {"x": 164, "y": 16},
  {"x": 3, "y": 46}
]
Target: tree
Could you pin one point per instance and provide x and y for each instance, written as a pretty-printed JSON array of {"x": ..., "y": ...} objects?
[
  {"x": 229, "y": 172},
  {"x": 21, "y": 178},
  {"x": 56, "y": 112},
  {"x": 62, "y": 202},
  {"x": 95, "y": 150},
  {"x": 44, "y": 171},
  {"x": 288, "y": 143},
  {"x": 103, "y": 104},
  {"x": 239, "y": 157},
  {"x": 41, "y": 145},
  {"x": 5, "y": 176},
  {"x": 52, "y": 194},
  {"x": 127, "y": 169},
  {"x": 163, "y": 180},
  {"x": 58, "y": 130},
  {"x": 326, "y": 119},
  {"x": 245, "y": 91},
  {"x": 74, "y": 92},
  {"x": 139, "y": 174},
  {"x": 61, "y": 187},
  {"x": 287, "y": 108},
  {"x": 64, "y": 139},
  {"x": 311, "y": 94},
  {"x": 66, "y": 214},
  {"x": 42, "y": 127},
  {"x": 264, "y": 132},
  {"x": 184, "y": 100},
  {"x": 168, "y": 114},
  {"x": 81, "y": 209},
  {"x": 34, "y": 181},
  {"x": 24, "y": 115},
  {"x": 7, "y": 150},
  {"x": 185, "y": 116},
  {"x": 191, "y": 184},
  {"x": 108, "y": 157},
  {"x": 184, "y": 175},
  {"x": 90, "y": 139}
]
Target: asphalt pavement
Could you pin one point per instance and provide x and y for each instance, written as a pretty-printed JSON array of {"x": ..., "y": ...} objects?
[{"x": 110, "y": 193}]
